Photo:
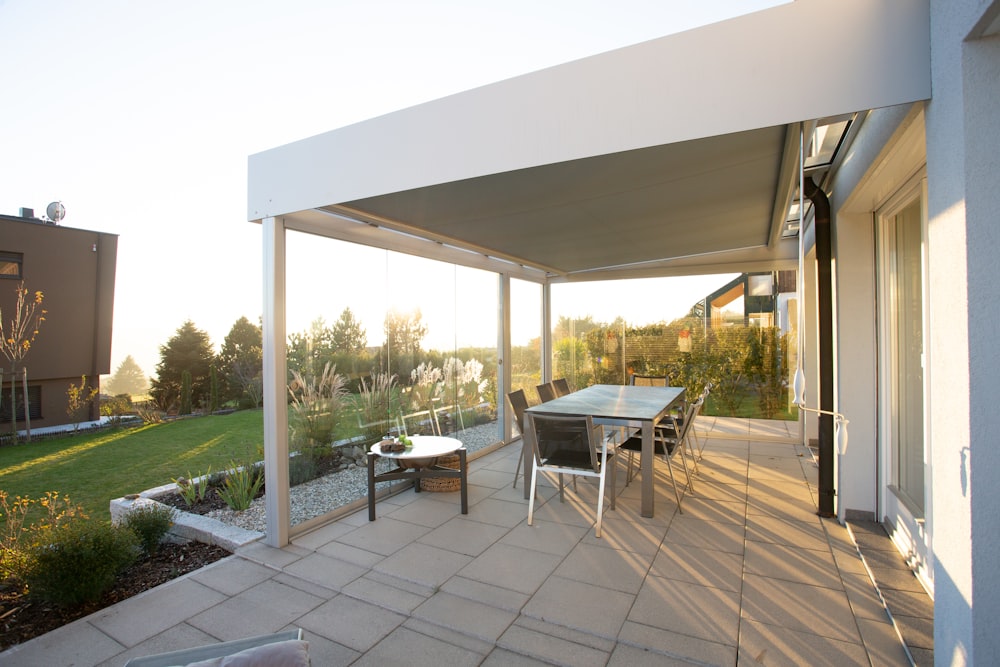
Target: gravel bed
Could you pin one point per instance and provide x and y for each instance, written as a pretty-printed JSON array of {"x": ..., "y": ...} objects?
[{"x": 325, "y": 494}]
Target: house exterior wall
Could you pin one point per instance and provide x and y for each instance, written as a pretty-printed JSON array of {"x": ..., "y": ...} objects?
[
  {"x": 963, "y": 143},
  {"x": 877, "y": 164},
  {"x": 75, "y": 270}
]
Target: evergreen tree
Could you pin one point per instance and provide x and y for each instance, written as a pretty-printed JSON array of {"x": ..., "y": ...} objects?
[
  {"x": 241, "y": 363},
  {"x": 128, "y": 378},
  {"x": 188, "y": 350},
  {"x": 348, "y": 336}
]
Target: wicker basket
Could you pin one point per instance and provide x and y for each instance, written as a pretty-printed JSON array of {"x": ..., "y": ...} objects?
[{"x": 443, "y": 483}]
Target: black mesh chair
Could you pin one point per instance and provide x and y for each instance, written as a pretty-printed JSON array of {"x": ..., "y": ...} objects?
[
  {"x": 569, "y": 446},
  {"x": 518, "y": 403},
  {"x": 670, "y": 436},
  {"x": 546, "y": 392},
  {"x": 648, "y": 380}
]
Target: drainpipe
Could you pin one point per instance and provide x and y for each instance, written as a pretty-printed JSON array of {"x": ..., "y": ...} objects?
[{"x": 824, "y": 293}]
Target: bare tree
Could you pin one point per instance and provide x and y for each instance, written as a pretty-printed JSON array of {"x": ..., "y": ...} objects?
[{"x": 15, "y": 343}]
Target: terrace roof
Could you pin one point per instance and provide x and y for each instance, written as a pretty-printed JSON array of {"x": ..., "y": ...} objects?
[{"x": 673, "y": 156}]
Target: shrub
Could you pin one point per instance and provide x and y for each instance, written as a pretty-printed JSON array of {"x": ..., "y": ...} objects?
[
  {"x": 15, "y": 535},
  {"x": 241, "y": 485},
  {"x": 78, "y": 561},
  {"x": 149, "y": 522}
]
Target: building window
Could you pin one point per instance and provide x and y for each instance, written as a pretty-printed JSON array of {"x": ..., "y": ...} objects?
[
  {"x": 34, "y": 404},
  {"x": 10, "y": 265}
]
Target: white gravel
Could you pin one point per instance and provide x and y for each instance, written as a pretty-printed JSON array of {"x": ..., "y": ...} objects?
[{"x": 325, "y": 494}]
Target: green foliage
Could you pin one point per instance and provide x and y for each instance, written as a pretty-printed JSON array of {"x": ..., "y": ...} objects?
[
  {"x": 128, "y": 378},
  {"x": 317, "y": 402},
  {"x": 213, "y": 395},
  {"x": 43, "y": 513},
  {"x": 190, "y": 349},
  {"x": 186, "y": 402},
  {"x": 404, "y": 333},
  {"x": 240, "y": 363},
  {"x": 76, "y": 561},
  {"x": 768, "y": 369},
  {"x": 193, "y": 489},
  {"x": 347, "y": 335},
  {"x": 571, "y": 360},
  {"x": 78, "y": 400},
  {"x": 377, "y": 402},
  {"x": 241, "y": 485},
  {"x": 116, "y": 407},
  {"x": 150, "y": 522}
]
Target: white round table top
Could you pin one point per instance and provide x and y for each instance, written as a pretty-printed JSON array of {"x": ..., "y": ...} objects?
[{"x": 424, "y": 446}]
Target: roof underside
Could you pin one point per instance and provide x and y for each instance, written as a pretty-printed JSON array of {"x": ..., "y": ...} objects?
[{"x": 643, "y": 161}]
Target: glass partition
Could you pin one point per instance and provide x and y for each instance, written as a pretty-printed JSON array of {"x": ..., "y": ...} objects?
[
  {"x": 526, "y": 337},
  {"x": 380, "y": 342},
  {"x": 727, "y": 330}
]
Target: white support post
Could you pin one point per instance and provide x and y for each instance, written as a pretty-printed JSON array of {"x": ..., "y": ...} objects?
[
  {"x": 546, "y": 331},
  {"x": 275, "y": 378},
  {"x": 503, "y": 354}
]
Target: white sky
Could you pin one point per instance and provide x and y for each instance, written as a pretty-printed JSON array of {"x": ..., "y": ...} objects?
[{"x": 139, "y": 116}]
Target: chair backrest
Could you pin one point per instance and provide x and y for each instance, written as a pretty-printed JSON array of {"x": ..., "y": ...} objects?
[
  {"x": 649, "y": 381},
  {"x": 689, "y": 416},
  {"x": 518, "y": 403},
  {"x": 561, "y": 385},
  {"x": 568, "y": 442},
  {"x": 546, "y": 392}
]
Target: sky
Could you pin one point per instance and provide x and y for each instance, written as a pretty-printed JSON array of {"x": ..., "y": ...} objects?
[{"x": 139, "y": 116}]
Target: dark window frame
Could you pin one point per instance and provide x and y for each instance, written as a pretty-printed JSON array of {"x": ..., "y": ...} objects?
[
  {"x": 34, "y": 400},
  {"x": 8, "y": 259}
]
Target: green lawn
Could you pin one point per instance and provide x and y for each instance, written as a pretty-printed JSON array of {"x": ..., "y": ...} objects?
[{"x": 93, "y": 468}]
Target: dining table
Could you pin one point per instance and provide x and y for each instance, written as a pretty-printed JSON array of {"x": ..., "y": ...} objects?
[{"x": 614, "y": 405}]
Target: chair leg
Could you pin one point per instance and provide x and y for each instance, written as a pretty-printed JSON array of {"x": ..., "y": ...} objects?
[
  {"x": 673, "y": 482},
  {"x": 531, "y": 494},
  {"x": 600, "y": 493},
  {"x": 614, "y": 481},
  {"x": 517, "y": 470}
]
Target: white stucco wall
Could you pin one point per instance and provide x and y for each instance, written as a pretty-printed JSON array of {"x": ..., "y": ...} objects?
[
  {"x": 963, "y": 142},
  {"x": 872, "y": 170}
]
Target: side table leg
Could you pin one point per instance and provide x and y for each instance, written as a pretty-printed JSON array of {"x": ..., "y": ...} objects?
[
  {"x": 462, "y": 465},
  {"x": 371, "y": 486}
]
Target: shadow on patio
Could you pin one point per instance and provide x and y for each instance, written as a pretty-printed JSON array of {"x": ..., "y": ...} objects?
[{"x": 746, "y": 574}]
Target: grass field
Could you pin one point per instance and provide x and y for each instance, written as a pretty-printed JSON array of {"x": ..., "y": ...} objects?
[{"x": 94, "y": 467}]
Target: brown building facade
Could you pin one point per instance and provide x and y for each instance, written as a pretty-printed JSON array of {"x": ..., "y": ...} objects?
[{"x": 75, "y": 271}]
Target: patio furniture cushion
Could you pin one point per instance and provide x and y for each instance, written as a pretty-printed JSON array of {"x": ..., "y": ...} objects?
[
  {"x": 290, "y": 653},
  {"x": 280, "y": 649}
]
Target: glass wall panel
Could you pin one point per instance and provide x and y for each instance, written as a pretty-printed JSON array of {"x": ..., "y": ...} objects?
[
  {"x": 380, "y": 342},
  {"x": 526, "y": 337},
  {"x": 693, "y": 330}
]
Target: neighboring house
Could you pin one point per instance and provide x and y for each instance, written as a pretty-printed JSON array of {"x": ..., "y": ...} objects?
[
  {"x": 75, "y": 271},
  {"x": 681, "y": 155},
  {"x": 762, "y": 299}
]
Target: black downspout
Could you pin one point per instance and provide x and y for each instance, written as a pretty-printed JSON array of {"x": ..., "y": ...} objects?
[{"x": 824, "y": 294}]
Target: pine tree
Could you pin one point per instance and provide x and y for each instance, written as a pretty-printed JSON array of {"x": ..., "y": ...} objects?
[{"x": 189, "y": 350}]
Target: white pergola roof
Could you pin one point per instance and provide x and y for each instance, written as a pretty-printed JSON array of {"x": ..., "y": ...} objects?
[{"x": 677, "y": 155}]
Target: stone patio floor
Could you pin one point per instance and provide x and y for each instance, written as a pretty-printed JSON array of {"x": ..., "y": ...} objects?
[{"x": 747, "y": 574}]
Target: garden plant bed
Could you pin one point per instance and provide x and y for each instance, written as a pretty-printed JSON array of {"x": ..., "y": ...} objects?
[{"x": 22, "y": 618}]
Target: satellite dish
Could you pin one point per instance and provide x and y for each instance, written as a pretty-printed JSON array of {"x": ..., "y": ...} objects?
[{"x": 56, "y": 211}]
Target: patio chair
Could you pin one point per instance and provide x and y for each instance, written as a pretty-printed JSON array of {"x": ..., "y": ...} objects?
[
  {"x": 669, "y": 437},
  {"x": 281, "y": 648},
  {"x": 694, "y": 434},
  {"x": 561, "y": 385},
  {"x": 649, "y": 380},
  {"x": 569, "y": 446},
  {"x": 546, "y": 392},
  {"x": 518, "y": 403}
]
